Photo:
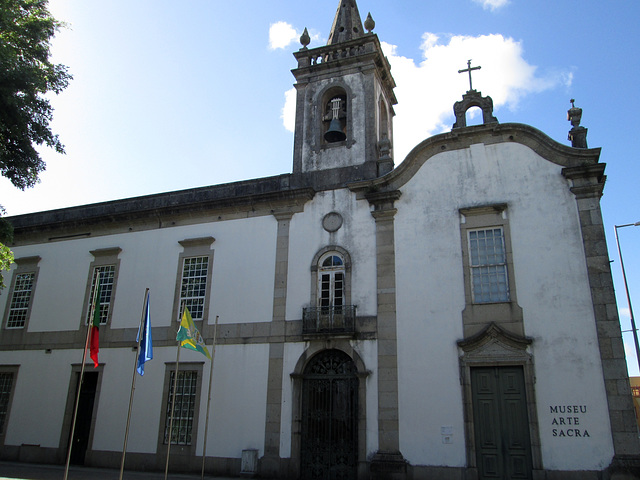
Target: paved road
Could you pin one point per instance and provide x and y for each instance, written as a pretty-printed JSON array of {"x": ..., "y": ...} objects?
[{"x": 27, "y": 471}]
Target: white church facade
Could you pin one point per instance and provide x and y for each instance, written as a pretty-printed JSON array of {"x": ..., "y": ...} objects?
[{"x": 451, "y": 317}]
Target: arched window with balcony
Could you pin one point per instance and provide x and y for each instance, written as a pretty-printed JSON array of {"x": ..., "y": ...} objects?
[{"x": 330, "y": 310}]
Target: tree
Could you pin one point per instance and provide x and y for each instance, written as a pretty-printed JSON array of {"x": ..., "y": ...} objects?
[
  {"x": 26, "y": 76},
  {"x": 6, "y": 255}
]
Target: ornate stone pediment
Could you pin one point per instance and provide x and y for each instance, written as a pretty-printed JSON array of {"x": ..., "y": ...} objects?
[{"x": 493, "y": 344}]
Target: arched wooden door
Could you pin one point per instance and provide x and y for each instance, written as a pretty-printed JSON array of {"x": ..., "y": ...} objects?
[{"x": 329, "y": 418}]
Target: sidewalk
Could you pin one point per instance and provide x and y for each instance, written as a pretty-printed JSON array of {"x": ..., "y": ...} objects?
[{"x": 29, "y": 471}]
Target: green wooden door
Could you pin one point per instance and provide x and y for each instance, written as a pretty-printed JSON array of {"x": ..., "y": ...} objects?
[{"x": 501, "y": 423}]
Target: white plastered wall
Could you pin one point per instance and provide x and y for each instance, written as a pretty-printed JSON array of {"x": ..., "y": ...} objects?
[
  {"x": 307, "y": 237},
  {"x": 552, "y": 289},
  {"x": 242, "y": 291}
]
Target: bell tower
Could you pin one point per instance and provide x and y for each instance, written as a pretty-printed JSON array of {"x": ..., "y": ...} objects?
[{"x": 344, "y": 106}]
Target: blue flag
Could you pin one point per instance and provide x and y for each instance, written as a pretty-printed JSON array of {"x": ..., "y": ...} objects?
[{"x": 146, "y": 348}]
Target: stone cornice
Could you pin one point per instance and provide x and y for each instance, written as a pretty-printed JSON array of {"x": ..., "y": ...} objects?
[
  {"x": 587, "y": 180},
  {"x": 462, "y": 138},
  {"x": 382, "y": 198},
  {"x": 248, "y": 198},
  {"x": 106, "y": 252},
  {"x": 197, "y": 242}
]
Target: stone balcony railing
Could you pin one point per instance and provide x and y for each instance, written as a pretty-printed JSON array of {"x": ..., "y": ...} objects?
[{"x": 328, "y": 53}]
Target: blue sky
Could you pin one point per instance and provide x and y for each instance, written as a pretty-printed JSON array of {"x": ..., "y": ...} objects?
[{"x": 170, "y": 95}]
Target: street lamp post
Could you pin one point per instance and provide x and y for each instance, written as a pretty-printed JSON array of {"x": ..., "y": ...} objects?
[{"x": 626, "y": 288}]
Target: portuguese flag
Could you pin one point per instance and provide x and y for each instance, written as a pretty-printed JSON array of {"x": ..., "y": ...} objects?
[{"x": 94, "y": 339}]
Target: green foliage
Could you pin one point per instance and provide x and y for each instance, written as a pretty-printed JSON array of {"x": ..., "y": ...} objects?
[
  {"x": 6, "y": 259},
  {"x": 26, "y": 76},
  {"x": 6, "y": 255}
]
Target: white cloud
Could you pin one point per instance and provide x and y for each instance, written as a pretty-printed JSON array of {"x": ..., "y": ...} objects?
[
  {"x": 281, "y": 35},
  {"x": 426, "y": 90},
  {"x": 289, "y": 110},
  {"x": 492, "y": 4}
]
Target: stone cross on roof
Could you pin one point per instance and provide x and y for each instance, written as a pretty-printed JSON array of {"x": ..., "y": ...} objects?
[{"x": 469, "y": 69}]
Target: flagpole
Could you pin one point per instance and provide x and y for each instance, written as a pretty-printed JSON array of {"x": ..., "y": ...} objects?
[
  {"x": 133, "y": 382},
  {"x": 173, "y": 405},
  {"x": 206, "y": 424},
  {"x": 80, "y": 380}
]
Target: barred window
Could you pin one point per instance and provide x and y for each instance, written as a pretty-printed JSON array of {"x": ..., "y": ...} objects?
[
  {"x": 488, "y": 264},
  {"x": 184, "y": 411},
  {"x": 107, "y": 276},
  {"x": 20, "y": 300},
  {"x": 193, "y": 287},
  {"x": 6, "y": 384}
]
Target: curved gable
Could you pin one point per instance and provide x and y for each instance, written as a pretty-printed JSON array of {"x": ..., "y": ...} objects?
[{"x": 459, "y": 139}]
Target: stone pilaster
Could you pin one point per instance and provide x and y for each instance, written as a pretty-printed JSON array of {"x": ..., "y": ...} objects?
[
  {"x": 587, "y": 186},
  {"x": 388, "y": 462},
  {"x": 270, "y": 464}
]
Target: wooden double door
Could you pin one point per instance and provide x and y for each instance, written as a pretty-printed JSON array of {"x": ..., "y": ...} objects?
[{"x": 501, "y": 423}]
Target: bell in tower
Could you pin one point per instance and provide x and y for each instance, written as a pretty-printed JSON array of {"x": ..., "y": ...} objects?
[{"x": 335, "y": 133}]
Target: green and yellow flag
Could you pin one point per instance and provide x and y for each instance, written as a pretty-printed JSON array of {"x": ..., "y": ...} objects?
[{"x": 189, "y": 336}]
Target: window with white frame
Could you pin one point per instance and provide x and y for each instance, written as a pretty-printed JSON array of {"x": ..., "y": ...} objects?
[
  {"x": 20, "y": 300},
  {"x": 193, "y": 278},
  {"x": 488, "y": 264},
  {"x": 107, "y": 277},
  {"x": 106, "y": 266},
  {"x": 193, "y": 286},
  {"x": 331, "y": 281},
  {"x": 18, "y": 309}
]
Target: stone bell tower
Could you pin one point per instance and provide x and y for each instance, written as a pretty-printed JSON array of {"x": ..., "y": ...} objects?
[{"x": 344, "y": 106}]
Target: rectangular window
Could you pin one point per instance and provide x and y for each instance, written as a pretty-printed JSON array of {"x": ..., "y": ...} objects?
[
  {"x": 184, "y": 411},
  {"x": 21, "y": 295},
  {"x": 20, "y": 300},
  {"x": 107, "y": 276},
  {"x": 488, "y": 263},
  {"x": 6, "y": 384},
  {"x": 193, "y": 287}
]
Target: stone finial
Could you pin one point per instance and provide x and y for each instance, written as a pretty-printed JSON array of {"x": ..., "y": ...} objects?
[
  {"x": 369, "y": 23},
  {"x": 305, "y": 39},
  {"x": 574, "y": 114},
  {"x": 577, "y": 134}
]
